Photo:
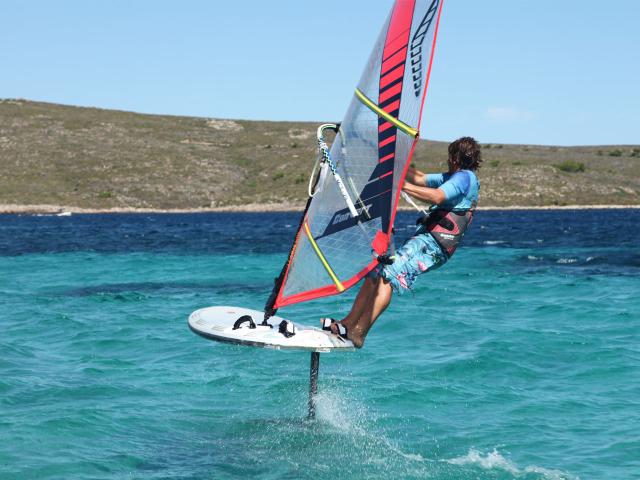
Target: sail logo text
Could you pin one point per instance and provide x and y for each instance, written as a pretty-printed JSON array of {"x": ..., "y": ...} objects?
[
  {"x": 346, "y": 216},
  {"x": 416, "y": 46}
]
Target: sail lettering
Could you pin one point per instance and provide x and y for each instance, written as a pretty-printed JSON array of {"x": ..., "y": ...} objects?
[{"x": 416, "y": 46}]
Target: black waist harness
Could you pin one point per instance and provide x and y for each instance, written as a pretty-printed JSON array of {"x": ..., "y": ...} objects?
[{"x": 447, "y": 227}]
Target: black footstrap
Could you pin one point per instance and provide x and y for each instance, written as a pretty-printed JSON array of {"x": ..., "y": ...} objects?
[
  {"x": 386, "y": 259},
  {"x": 287, "y": 329},
  {"x": 326, "y": 323},
  {"x": 342, "y": 330},
  {"x": 243, "y": 319}
]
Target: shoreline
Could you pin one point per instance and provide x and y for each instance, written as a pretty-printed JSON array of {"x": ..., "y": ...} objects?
[{"x": 46, "y": 209}]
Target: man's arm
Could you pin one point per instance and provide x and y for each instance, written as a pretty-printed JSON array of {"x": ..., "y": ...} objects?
[
  {"x": 416, "y": 177},
  {"x": 435, "y": 196},
  {"x": 421, "y": 179}
]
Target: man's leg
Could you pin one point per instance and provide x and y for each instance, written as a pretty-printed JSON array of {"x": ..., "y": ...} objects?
[
  {"x": 418, "y": 255},
  {"x": 377, "y": 304},
  {"x": 364, "y": 297},
  {"x": 373, "y": 298}
]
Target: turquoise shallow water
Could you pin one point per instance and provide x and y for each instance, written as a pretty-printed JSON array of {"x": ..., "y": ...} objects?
[{"x": 533, "y": 373}]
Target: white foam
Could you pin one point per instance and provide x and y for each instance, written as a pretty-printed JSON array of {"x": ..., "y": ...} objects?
[
  {"x": 567, "y": 260},
  {"x": 495, "y": 461},
  {"x": 352, "y": 418},
  {"x": 493, "y": 242},
  {"x": 335, "y": 411},
  {"x": 489, "y": 461}
]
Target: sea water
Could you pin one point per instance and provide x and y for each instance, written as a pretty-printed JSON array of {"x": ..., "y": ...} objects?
[{"x": 520, "y": 358}]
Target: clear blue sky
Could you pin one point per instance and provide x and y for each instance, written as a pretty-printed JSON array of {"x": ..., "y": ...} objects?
[{"x": 563, "y": 72}]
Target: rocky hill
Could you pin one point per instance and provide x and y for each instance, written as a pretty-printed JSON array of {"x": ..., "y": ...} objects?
[{"x": 103, "y": 159}]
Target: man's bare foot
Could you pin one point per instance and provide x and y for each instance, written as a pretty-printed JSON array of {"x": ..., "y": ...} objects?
[{"x": 354, "y": 333}]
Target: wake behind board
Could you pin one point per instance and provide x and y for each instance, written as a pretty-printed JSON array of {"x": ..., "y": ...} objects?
[{"x": 217, "y": 323}]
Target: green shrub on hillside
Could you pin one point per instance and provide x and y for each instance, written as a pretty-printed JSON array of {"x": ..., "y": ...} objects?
[
  {"x": 570, "y": 166},
  {"x": 615, "y": 153}
]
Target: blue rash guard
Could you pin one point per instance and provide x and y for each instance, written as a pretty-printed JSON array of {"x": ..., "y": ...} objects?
[
  {"x": 422, "y": 253},
  {"x": 460, "y": 188}
]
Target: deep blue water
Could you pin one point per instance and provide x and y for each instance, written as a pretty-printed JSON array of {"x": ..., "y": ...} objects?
[
  {"x": 518, "y": 359},
  {"x": 231, "y": 233}
]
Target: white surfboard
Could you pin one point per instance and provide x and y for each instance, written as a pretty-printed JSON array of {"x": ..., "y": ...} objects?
[{"x": 217, "y": 323}]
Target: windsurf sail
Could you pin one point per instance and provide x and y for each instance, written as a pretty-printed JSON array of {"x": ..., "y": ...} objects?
[{"x": 347, "y": 223}]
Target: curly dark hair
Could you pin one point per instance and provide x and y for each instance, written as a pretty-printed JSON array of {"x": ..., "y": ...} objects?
[{"x": 465, "y": 153}]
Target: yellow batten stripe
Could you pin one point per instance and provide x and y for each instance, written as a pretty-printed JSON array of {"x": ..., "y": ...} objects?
[
  {"x": 322, "y": 259},
  {"x": 381, "y": 113}
]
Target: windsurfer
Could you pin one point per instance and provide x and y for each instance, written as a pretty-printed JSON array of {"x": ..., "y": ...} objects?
[{"x": 454, "y": 195}]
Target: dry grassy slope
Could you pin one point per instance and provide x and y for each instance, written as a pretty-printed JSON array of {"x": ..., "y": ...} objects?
[{"x": 92, "y": 158}]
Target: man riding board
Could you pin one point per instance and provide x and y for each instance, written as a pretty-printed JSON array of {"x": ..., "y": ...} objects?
[{"x": 453, "y": 196}]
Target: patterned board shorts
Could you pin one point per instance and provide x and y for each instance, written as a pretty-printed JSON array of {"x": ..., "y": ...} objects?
[{"x": 421, "y": 253}]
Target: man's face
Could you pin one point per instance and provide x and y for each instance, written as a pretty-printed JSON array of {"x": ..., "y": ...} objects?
[{"x": 451, "y": 165}]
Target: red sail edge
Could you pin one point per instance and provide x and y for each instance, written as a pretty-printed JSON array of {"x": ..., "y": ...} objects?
[{"x": 424, "y": 97}]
